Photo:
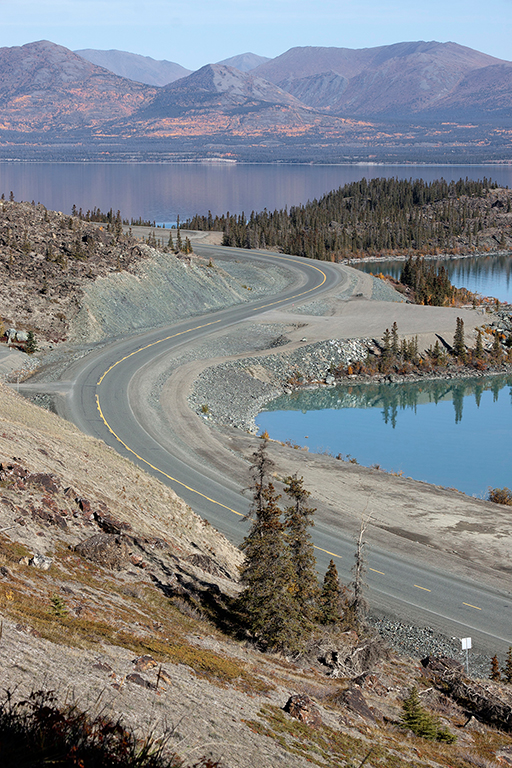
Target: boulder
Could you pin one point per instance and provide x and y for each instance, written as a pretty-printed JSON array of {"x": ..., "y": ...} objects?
[
  {"x": 41, "y": 562},
  {"x": 302, "y": 708},
  {"x": 355, "y": 701}
]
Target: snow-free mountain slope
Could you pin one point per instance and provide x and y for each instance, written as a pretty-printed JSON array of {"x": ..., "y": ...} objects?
[{"x": 142, "y": 69}]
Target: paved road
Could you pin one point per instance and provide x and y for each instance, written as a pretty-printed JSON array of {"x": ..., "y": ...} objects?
[{"x": 98, "y": 402}]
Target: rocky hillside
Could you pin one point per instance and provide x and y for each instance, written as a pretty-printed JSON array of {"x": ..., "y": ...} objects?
[
  {"x": 113, "y": 591},
  {"x": 52, "y": 264},
  {"x": 46, "y": 87}
]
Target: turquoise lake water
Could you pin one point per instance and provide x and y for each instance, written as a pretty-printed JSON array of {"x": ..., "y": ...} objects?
[
  {"x": 453, "y": 434},
  {"x": 487, "y": 275}
]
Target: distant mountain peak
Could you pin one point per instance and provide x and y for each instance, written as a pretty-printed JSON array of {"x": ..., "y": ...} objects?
[
  {"x": 141, "y": 69},
  {"x": 245, "y": 62}
]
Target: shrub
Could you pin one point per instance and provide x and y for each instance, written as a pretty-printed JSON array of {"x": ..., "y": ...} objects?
[
  {"x": 500, "y": 496},
  {"x": 36, "y": 731},
  {"x": 423, "y": 723}
]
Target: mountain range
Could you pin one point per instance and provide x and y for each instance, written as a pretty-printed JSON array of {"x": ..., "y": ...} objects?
[{"x": 326, "y": 101}]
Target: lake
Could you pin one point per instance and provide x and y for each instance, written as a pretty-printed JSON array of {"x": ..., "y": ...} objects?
[
  {"x": 162, "y": 192},
  {"x": 450, "y": 433},
  {"x": 488, "y": 275}
]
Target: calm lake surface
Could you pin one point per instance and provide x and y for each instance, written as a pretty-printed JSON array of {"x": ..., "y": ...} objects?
[
  {"x": 488, "y": 275},
  {"x": 450, "y": 433},
  {"x": 161, "y": 192}
]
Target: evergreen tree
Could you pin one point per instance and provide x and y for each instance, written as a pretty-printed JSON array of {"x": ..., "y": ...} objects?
[
  {"x": 508, "y": 666},
  {"x": 330, "y": 599},
  {"x": 423, "y": 723},
  {"x": 31, "y": 344},
  {"x": 479, "y": 347},
  {"x": 170, "y": 243},
  {"x": 497, "y": 349},
  {"x": 267, "y": 574},
  {"x": 459, "y": 346},
  {"x": 299, "y": 518},
  {"x": 179, "y": 242},
  {"x": 495, "y": 669},
  {"x": 395, "y": 345}
]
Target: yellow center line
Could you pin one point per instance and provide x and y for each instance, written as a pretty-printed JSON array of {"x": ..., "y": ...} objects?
[
  {"x": 374, "y": 571},
  {"x": 423, "y": 588},
  {"x": 173, "y": 336},
  {"x": 327, "y": 552},
  {"x": 297, "y": 295},
  {"x": 157, "y": 469},
  {"x": 472, "y": 606}
]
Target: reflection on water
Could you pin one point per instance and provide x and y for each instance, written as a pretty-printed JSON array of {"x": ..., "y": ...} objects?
[
  {"x": 488, "y": 275},
  {"x": 391, "y": 398},
  {"x": 453, "y": 433}
]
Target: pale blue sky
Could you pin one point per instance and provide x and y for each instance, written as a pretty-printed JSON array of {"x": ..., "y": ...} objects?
[{"x": 196, "y": 32}]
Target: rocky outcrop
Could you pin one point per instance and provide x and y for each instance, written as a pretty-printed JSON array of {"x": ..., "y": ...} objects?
[{"x": 105, "y": 549}]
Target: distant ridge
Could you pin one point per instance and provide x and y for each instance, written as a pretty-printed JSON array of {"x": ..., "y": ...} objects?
[
  {"x": 420, "y": 100},
  {"x": 142, "y": 69},
  {"x": 216, "y": 84},
  {"x": 396, "y": 80},
  {"x": 245, "y": 62}
]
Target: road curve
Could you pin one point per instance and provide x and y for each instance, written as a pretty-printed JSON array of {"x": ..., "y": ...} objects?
[{"x": 99, "y": 404}]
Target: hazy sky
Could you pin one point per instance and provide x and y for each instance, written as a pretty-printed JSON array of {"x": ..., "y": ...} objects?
[{"x": 197, "y": 32}]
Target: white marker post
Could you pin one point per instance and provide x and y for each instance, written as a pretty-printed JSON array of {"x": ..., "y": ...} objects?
[{"x": 466, "y": 645}]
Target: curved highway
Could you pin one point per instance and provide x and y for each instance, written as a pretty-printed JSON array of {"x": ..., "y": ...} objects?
[{"x": 98, "y": 402}]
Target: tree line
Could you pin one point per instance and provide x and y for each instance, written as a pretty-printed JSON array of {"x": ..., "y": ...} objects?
[{"x": 366, "y": 217}]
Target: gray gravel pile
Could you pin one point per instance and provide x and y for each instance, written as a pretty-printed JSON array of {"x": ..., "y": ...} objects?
[
  {"x": 419, "y": 642},
  {"x": 382, "y": 291},
  {"x": 233, "y": 393}
]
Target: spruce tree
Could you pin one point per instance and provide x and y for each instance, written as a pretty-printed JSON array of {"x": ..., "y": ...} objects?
[
  {"x": 495, "y": 669},
  {"x": 330, "y": 611},
  {"x": 267, "y": 574},
  {"x": 31, "y": 344},
  {"x": 179, "y": 242},
  {"x": 395, "y": 345},
  {"x": 421, "y": 722},
  {"x": 507, "y": 674},
  {"x": 299, "y": 518},
  {"x": 459, "y": 346},
  {"x": 497, "y": 349},
  {"x": 479, "y": 347}
]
